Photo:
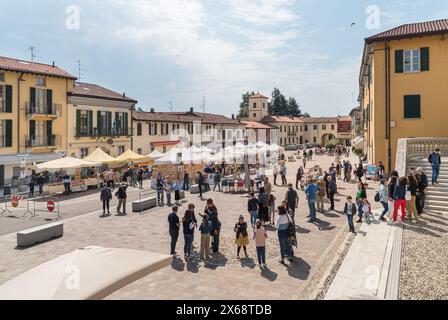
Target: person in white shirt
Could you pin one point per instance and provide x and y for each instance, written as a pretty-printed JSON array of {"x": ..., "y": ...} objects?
[{"x": 282, "y": 223}]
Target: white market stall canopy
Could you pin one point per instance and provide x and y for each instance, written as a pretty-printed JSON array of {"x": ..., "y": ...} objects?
[
  {"x": 131, "y": 156},
  {"x": 100, "y": 156},
  {"x": 66, "y": 163},
  {"x": 81, "y": 275},
  {"x": 155, "y": 154}
]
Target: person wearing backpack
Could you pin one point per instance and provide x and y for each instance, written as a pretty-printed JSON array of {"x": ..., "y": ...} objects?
[
  {"x": 105, "y": 197},
  {"x": 350, "y": 211},
  {"x": 360, "y": 196},
  {"x": 216, "y": 228},
  {"x": 282, "y": 223},
  {"x": 121, "y": 196}
]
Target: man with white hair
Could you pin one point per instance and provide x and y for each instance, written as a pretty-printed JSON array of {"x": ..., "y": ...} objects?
[{"x": 422, "y": 181}]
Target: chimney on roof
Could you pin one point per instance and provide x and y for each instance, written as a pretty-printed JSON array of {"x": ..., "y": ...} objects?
[
  {"x": 191, "y": 110},
  {"x": 53, "y": 63},
  {"x": 233, "y": 116},
  {"x": 124, "y": 95},
  {"x": 152, "y": 110}
]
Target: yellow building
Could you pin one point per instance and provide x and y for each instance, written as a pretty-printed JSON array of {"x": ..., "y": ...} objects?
[
  {"x": 33, "y": 115},
  {"x": 403, "y": 87},
  {"x": 98, "y": 118}
]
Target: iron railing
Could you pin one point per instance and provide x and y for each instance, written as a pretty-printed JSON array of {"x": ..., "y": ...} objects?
[
  {"x": 33, "y": 109},
  {"x": 38, "y": 141}
]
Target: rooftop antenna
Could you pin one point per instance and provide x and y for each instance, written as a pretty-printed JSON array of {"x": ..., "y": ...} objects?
[
  {"x": 171, "y": 106},
  {"x": 32, "y": 50},
  {"x": 79, "y": 70}
]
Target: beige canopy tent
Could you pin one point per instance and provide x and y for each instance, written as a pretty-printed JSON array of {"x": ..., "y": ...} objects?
[
  {"x": 100, "y": 156},
  {"x": 131, "y": 156},
  {"x": 89, "y": 273},
  {"x": 66, "y": 163}
]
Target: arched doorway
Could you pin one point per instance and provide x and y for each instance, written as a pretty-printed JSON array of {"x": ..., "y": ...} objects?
[{"x": 327, "y": 138}]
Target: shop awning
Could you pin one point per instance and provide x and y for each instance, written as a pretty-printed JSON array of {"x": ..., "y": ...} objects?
[{"x": 13, "y": 159}]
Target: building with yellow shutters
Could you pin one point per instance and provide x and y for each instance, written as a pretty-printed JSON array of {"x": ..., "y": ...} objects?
[{"x": 403, "y": 87}]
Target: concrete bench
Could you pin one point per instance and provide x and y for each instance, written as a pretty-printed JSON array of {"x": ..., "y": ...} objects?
[
  {"x": 194, "y": 189},
  {"x": 27, "y": 238},
  {"x": 145, "y": 204},
  {"x": 182, "y": 194}
]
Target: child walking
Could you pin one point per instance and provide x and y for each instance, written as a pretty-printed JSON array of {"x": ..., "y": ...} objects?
[
  {"x": 242, "y": 238},
  {"x": 367, "y": 210},
  {"x": 260, "y": 237},
  {"x": 350, "y": 211}
]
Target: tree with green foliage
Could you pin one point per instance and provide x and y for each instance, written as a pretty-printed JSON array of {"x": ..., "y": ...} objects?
[
  {"x": 278, "y": 105},
  {"x": 244, "y": 105},
  {"x": 293, "y": 108}
]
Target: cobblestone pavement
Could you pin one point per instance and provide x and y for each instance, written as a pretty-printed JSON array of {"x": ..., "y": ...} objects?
[
  {"x": 424, "y": 267},
  {"x": 223, "y": 277}
]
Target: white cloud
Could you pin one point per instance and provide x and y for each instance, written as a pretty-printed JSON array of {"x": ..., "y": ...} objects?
[{"x": 263, "y": 12}]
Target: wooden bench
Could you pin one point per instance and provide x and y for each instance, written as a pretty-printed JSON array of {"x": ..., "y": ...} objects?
[
  {"x": 27, "y": 238},
  {"x": 144, "y": 204}
]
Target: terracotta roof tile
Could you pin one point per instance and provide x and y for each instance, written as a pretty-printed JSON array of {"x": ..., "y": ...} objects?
[
  {"x": 184, "y": 117},
  {"x": 411, "y": 30},
  {"x": 257, "y": 125},
  {"x": 83, "y": 89},
  {"x": 17, "y": 65}
]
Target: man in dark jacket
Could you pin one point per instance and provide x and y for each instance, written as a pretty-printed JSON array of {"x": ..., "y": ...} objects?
[
  {"x": 422, "y": 180},
  {"x": 331, "y": 191},
  {"x": 121, "y": 196},
  {"x": 105, "y": 197},
  {"x": 435, "y": 160},
  {"x": 186, "y": 185},
  {"x": 174, "y": 226},
  {"x": 292, "y": 199},
  {"x": 252, "y": 208}
]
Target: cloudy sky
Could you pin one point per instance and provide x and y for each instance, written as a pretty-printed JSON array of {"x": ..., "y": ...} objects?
[{"x": 161, "y": 51}]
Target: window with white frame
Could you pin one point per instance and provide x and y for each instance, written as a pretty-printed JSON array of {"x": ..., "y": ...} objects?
[
  {"x": 84, "y": 152},
  {"x": 412, "y": 60},
  {"x": 120, "y": 150},
  {"x": 41, "y": 82}
]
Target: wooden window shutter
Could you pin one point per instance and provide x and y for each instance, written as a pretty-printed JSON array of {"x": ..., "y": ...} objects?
[
  {"x": 109, "y": 122},
  {"x": 8, "y": 133},
  {"x": 32, "y": 129},
  {"x": 424, "y": 59},
  {"x": 98, "y": 123},
  {"x": 399, "y": 68},
  {"x": 49, "y": 132},
  {"x": 49, "y": 101},
  {"x": 78, "y": 122},
  {"x": 8, "y": 99},
  {"x": 32, "y": 99},
  {"x": 412, "y": 107},
  {"x": 90, "y": 123}
]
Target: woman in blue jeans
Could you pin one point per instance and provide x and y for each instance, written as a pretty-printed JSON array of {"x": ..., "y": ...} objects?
[
  {"x": 188, "y": 225},
  {"x": 384, "y": 198},
  {"x": 282, "y": 224}
]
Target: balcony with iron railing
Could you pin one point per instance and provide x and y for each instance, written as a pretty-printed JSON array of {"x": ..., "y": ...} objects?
[
  {"x": 37, "y": 110},
  {"x": 43, "y": 141},
  {"x": 95, "y": 133}
]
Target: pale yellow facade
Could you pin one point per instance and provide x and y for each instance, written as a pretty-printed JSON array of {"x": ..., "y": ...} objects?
[
  {"x": 38, "y": 116},
  {"x": 405, "y": 90}
]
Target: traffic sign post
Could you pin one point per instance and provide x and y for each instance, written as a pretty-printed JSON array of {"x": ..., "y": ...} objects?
[{"x": 50, "y": 205}]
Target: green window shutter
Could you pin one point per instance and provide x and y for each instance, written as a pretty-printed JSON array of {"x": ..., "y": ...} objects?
[
  {"x": 90, "y": 123},
  {"x": 50, "y": 101},
  {"x": 125, "y": 123},
  {"x": 109, "y": 122},
  {"x": 78, "y": 122},
  {"x": 32, "y": 129},
  {"x": 98, "y": 123},
  {"x": 424, "y": 59},
  {"x": 8, "y": 99},
  {"x": 399, "y": 61},
  {"x": 412, "y": 107},
  {"x": 8, "y": 133},
  {"x": 50, "y": 141},
  {"x": 32, "y": 105}
]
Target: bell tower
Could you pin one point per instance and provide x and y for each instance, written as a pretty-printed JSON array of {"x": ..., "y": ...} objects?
[{"x": 258, "y": 107}]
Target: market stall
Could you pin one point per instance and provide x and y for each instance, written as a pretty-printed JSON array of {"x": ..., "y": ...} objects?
[{"x": 71, "y": 167}]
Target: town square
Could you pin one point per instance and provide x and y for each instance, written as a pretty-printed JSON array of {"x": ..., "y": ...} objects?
[{"x": 121, "y": 180}]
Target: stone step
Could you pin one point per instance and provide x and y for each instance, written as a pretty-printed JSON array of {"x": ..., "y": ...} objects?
[
  {"x": 439, "y": 187},
  {"x": 433, "y": 207},
  {"x": 437, "y": 197},
  {"x": 441, "y": 193},
  {"x": 435, "y": 212},
  {"x": 442, "y": 203}
]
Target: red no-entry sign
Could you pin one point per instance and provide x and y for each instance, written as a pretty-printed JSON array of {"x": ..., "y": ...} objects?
[
  {"x": 50, "y": 205},
  {"x": 15, "y": 201}
]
